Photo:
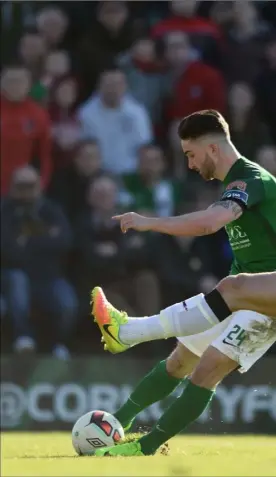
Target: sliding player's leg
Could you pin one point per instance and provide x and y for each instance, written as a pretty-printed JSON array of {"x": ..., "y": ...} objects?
[
  {"x": 181, "y": 319},
  {"x": 245, "y": 340},
  {"x": 250, "y": 292},
  {"x": 159, "y": 383}
]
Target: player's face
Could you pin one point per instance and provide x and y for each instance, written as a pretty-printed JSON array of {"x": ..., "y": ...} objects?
[{"x": 200, "y": 158}]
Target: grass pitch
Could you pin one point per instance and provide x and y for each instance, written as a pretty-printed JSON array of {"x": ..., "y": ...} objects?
[{"x": 51, "y": 454}]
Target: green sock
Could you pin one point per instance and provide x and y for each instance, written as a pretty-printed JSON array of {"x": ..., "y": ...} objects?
[
  {"x": 184, "y": 410},
  {"x": 156, "y": 385}
]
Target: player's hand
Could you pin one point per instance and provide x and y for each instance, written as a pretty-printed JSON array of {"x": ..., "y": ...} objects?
[{"x": 134, "y": 221}]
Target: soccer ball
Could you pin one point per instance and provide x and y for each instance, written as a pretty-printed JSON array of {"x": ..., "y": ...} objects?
[{"x": 96, "y": 429}]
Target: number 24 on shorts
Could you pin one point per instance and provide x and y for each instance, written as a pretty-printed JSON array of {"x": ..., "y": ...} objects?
[{"x": 235, "y": 337}]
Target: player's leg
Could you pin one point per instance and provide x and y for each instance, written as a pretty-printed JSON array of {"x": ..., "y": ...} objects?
[
  {"x": 197, "y": 314},
  {"x": 246, "y": 338},
  {"x": 158, "y": 383},
  {"x": 250, "y": 292},
  {"x": 189, "y": 317},
  {"x": 167, "y": 375}
]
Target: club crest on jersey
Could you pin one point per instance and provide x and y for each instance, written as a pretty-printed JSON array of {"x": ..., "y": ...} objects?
[{"x": 237, "y": 185}]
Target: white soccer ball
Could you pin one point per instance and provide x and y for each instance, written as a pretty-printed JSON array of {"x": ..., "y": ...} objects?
[{"x": 96, "y": 429}]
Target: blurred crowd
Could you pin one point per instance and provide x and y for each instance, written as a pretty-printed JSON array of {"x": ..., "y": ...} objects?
[{"x": 91, "y": 96}]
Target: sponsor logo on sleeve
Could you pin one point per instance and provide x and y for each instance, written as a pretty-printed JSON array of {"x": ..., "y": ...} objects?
[{"x": 236, "y": 194}]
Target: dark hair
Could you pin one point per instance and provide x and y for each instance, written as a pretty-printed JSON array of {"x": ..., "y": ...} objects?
[{"x": 201, "y": 123}]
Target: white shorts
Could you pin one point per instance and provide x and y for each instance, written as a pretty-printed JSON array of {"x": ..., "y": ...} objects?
[{"x": 245, "y": 337}]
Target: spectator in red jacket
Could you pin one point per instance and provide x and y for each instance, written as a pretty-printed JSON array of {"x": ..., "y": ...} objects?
[
  {"x": 204, "y": 34},
  {"x": 25, "y": 129},
  {"x": 194, "y": 85}
]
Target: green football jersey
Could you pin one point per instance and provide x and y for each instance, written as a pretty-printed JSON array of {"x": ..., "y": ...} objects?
[{"x": 253, "y": 235}]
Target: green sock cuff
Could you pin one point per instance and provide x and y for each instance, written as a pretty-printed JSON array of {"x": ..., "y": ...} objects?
[
  {"x": 160, "y": 377},
  {"x": 204, "y": 392},
  {"x": 161, "y": 367}
]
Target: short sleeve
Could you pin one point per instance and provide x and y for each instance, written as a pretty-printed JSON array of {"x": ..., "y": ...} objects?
[{"x": 247, "y": 192}]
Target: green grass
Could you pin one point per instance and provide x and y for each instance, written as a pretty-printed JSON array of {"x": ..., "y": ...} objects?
[{"x": 51, "y": 454}]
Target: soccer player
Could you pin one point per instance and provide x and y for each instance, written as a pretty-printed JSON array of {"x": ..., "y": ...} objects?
[{"x": 247, "y": 209}]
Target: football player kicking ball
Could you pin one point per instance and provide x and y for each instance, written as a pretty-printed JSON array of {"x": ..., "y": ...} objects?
[{"x": 221, "y": 342}]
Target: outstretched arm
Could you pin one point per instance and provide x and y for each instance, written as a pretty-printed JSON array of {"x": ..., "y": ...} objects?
[{"x": 204, "y": 222}]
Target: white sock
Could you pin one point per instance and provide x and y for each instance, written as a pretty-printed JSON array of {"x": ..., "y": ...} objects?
[
  {"x": 138, "y": 330},
  {"x": 181, "y": 319}
]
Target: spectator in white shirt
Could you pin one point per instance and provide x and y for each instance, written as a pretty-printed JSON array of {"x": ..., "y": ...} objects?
[{"x": 118, "y": 123}]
